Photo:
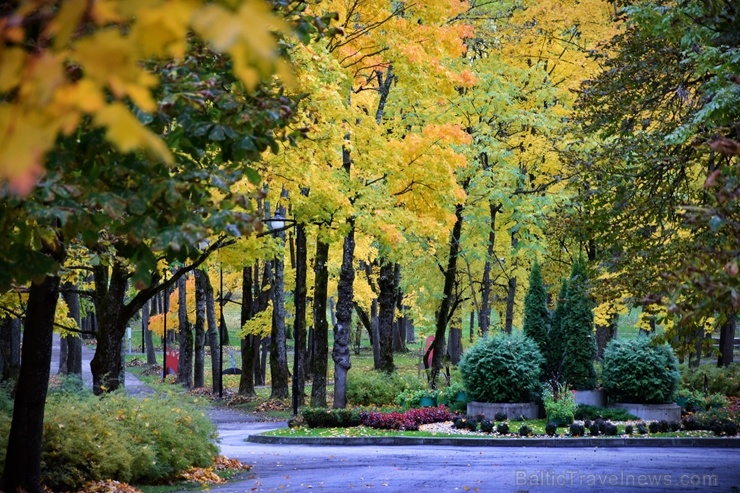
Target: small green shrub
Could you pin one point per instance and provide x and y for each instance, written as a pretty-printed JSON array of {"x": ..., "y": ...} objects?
[
  {"x": 560, "y": 404},
  {"x": 642, "y": 429},
  {"x": 691, "y": 401},
  {"x": 502, "y": 428},
  {"x": 500, "y": 416},
  {"x": 638, "y": 371},
  {"x": 628, "y": 429},
  {"x": 725, "y": 380},
  {"x": 525, "y": 431},
  {"x": 502, "y": 368},
  {"x": 374, "y": 388}
]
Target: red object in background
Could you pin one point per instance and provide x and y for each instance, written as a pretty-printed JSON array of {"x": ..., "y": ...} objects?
[
  {"x": 172, "y": 361},
  {"x": 430, "y": 341}
]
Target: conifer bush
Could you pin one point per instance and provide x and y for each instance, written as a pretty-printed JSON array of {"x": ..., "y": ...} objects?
[
  {"x": 502, "y": 368},
  {"x": 578, "y": 369},
  {"x": 536, "y": 323},
  {"x": 638, "y": 371}
]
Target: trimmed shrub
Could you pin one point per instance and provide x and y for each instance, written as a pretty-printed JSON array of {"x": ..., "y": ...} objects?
[
  {"x": 500, "y": 416},
  {"x": 551, "y": 428},
  {"x": 502, "y": 428},
  {"x": 653, "y": 427},
  {"x": 691, "y": 401},
  {"x": 628, "y": 429},
  {"x": 525, "y": 431},
  {"x": 321, "y": 417},
  {"x": 635, "y": 370},
  {"x": 577, "y": 430},
  {"x": 642, "y": 429},
  {"x": 577, "y": 325},
  {"x": 610, "y": 429},
  {"x": 502, "y": 368},
  {"x": 409, "y": 420},
  {"x": 536, "y": 324},
  {"x": 375, "y": 388},
  {"x": 487, "y": 426}
]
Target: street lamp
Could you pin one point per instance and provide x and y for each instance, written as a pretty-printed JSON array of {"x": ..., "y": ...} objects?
[{"x": 277, "y": 223}]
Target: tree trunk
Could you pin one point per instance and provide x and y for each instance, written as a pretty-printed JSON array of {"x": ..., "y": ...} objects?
[
  {"x": 110, "y": 292},
  {"x": 10, "y": 348},
  {"x": 375, "y": 329},
  {"x": 151, "y": 355},
  {"x": 386, "y": 316},
  {"x": 278, "y": 343},
  {"x": 185, "y": 336},
  {"x": 299, "y": 324},
  {"x": 484, "y": 317},
  {"x": 212, "y": 337},
  {"x": 246, "y": 379},
  {"x": 727, "y": 342},
  {"x": 510, "y": 299},
  {"x": 73, "y": 342},
  {"x": 22, "y": 471},
  {"x": 454, "y": 346},
  {"x": 445, "y": 309},
  {"x": 321, "y": 328},
  {"x": 200, "y": 326},
  {"x": 345, "y": 293}
]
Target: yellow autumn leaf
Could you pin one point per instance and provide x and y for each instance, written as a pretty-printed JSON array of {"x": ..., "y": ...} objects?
[
  {"x": 125, "y": 131},
  {"x": 11, "y": 64},
  {"x": 67, "y": 21}
]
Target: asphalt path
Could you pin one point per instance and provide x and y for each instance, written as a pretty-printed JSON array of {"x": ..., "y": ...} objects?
[{"x": 408, "y": 469}]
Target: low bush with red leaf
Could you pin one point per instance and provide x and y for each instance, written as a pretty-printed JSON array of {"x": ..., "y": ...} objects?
[{"x": 407, "y": 421}]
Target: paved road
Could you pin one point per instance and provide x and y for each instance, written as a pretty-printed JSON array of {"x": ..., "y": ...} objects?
[{"x": 281, "y": 468}]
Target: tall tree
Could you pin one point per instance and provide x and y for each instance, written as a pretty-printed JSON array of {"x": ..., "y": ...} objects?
[
  {"x": 536, "y": 324},
  {"x": 578, "y": 327}
]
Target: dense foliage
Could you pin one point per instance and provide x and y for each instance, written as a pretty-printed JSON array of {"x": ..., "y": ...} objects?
[
  {"x": 378, "y": 388},
  {"x": 577, "y": 325},
  {"x": 638, "y": 370},
  {"x": 502, "y": 368},
  {"x": 725, "y": 380}
]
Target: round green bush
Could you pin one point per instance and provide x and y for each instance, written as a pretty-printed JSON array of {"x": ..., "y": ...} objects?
[
  {"x": 502, "y": 368},
  {"x": 638, "y": 371}
]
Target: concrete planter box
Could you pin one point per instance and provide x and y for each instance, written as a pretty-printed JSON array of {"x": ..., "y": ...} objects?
[
  {"x": 668, "y": 411},
  {"x": 512, "y": 409},
  {"x": 596, "y": 398}
]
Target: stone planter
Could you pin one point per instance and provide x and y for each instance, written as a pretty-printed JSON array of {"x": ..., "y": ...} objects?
[
  {"x": 512, "y": 409},
  {"x": 669, "y": 411},
  {"x": 595, "y": 398}
]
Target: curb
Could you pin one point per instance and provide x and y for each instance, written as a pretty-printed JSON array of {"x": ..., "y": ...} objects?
[{"x": 499, "y": 442}]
